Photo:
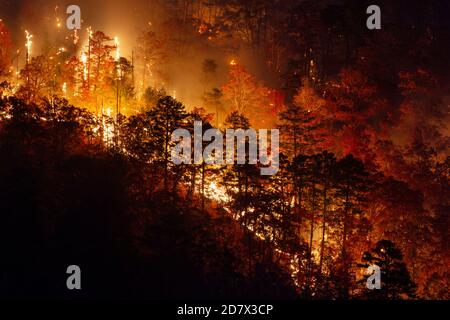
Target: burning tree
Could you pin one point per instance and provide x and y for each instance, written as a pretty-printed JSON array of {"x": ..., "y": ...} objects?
[{"x": 396, "y": 282}]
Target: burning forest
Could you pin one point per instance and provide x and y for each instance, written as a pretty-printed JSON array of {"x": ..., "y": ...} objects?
[{"x": 87, "y": 145}]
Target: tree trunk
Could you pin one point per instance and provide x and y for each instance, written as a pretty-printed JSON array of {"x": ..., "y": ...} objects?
[{"x": 324, "y": 216}]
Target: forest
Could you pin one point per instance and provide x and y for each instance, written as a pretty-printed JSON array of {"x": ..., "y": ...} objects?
[{"x": 86, "y": 176}]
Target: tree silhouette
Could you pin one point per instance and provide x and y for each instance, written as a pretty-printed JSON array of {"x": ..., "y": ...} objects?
[{"x": 396, "y": 282}]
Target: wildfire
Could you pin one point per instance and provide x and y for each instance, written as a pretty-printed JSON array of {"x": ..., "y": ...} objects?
[
  {"x": 28, "y": 44},
  {"x": 107, "y": 131},
  {"x": 108, "y": 128},
  {"x": 219, "y": 193},
  {"x": 75, "y": 37}
]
